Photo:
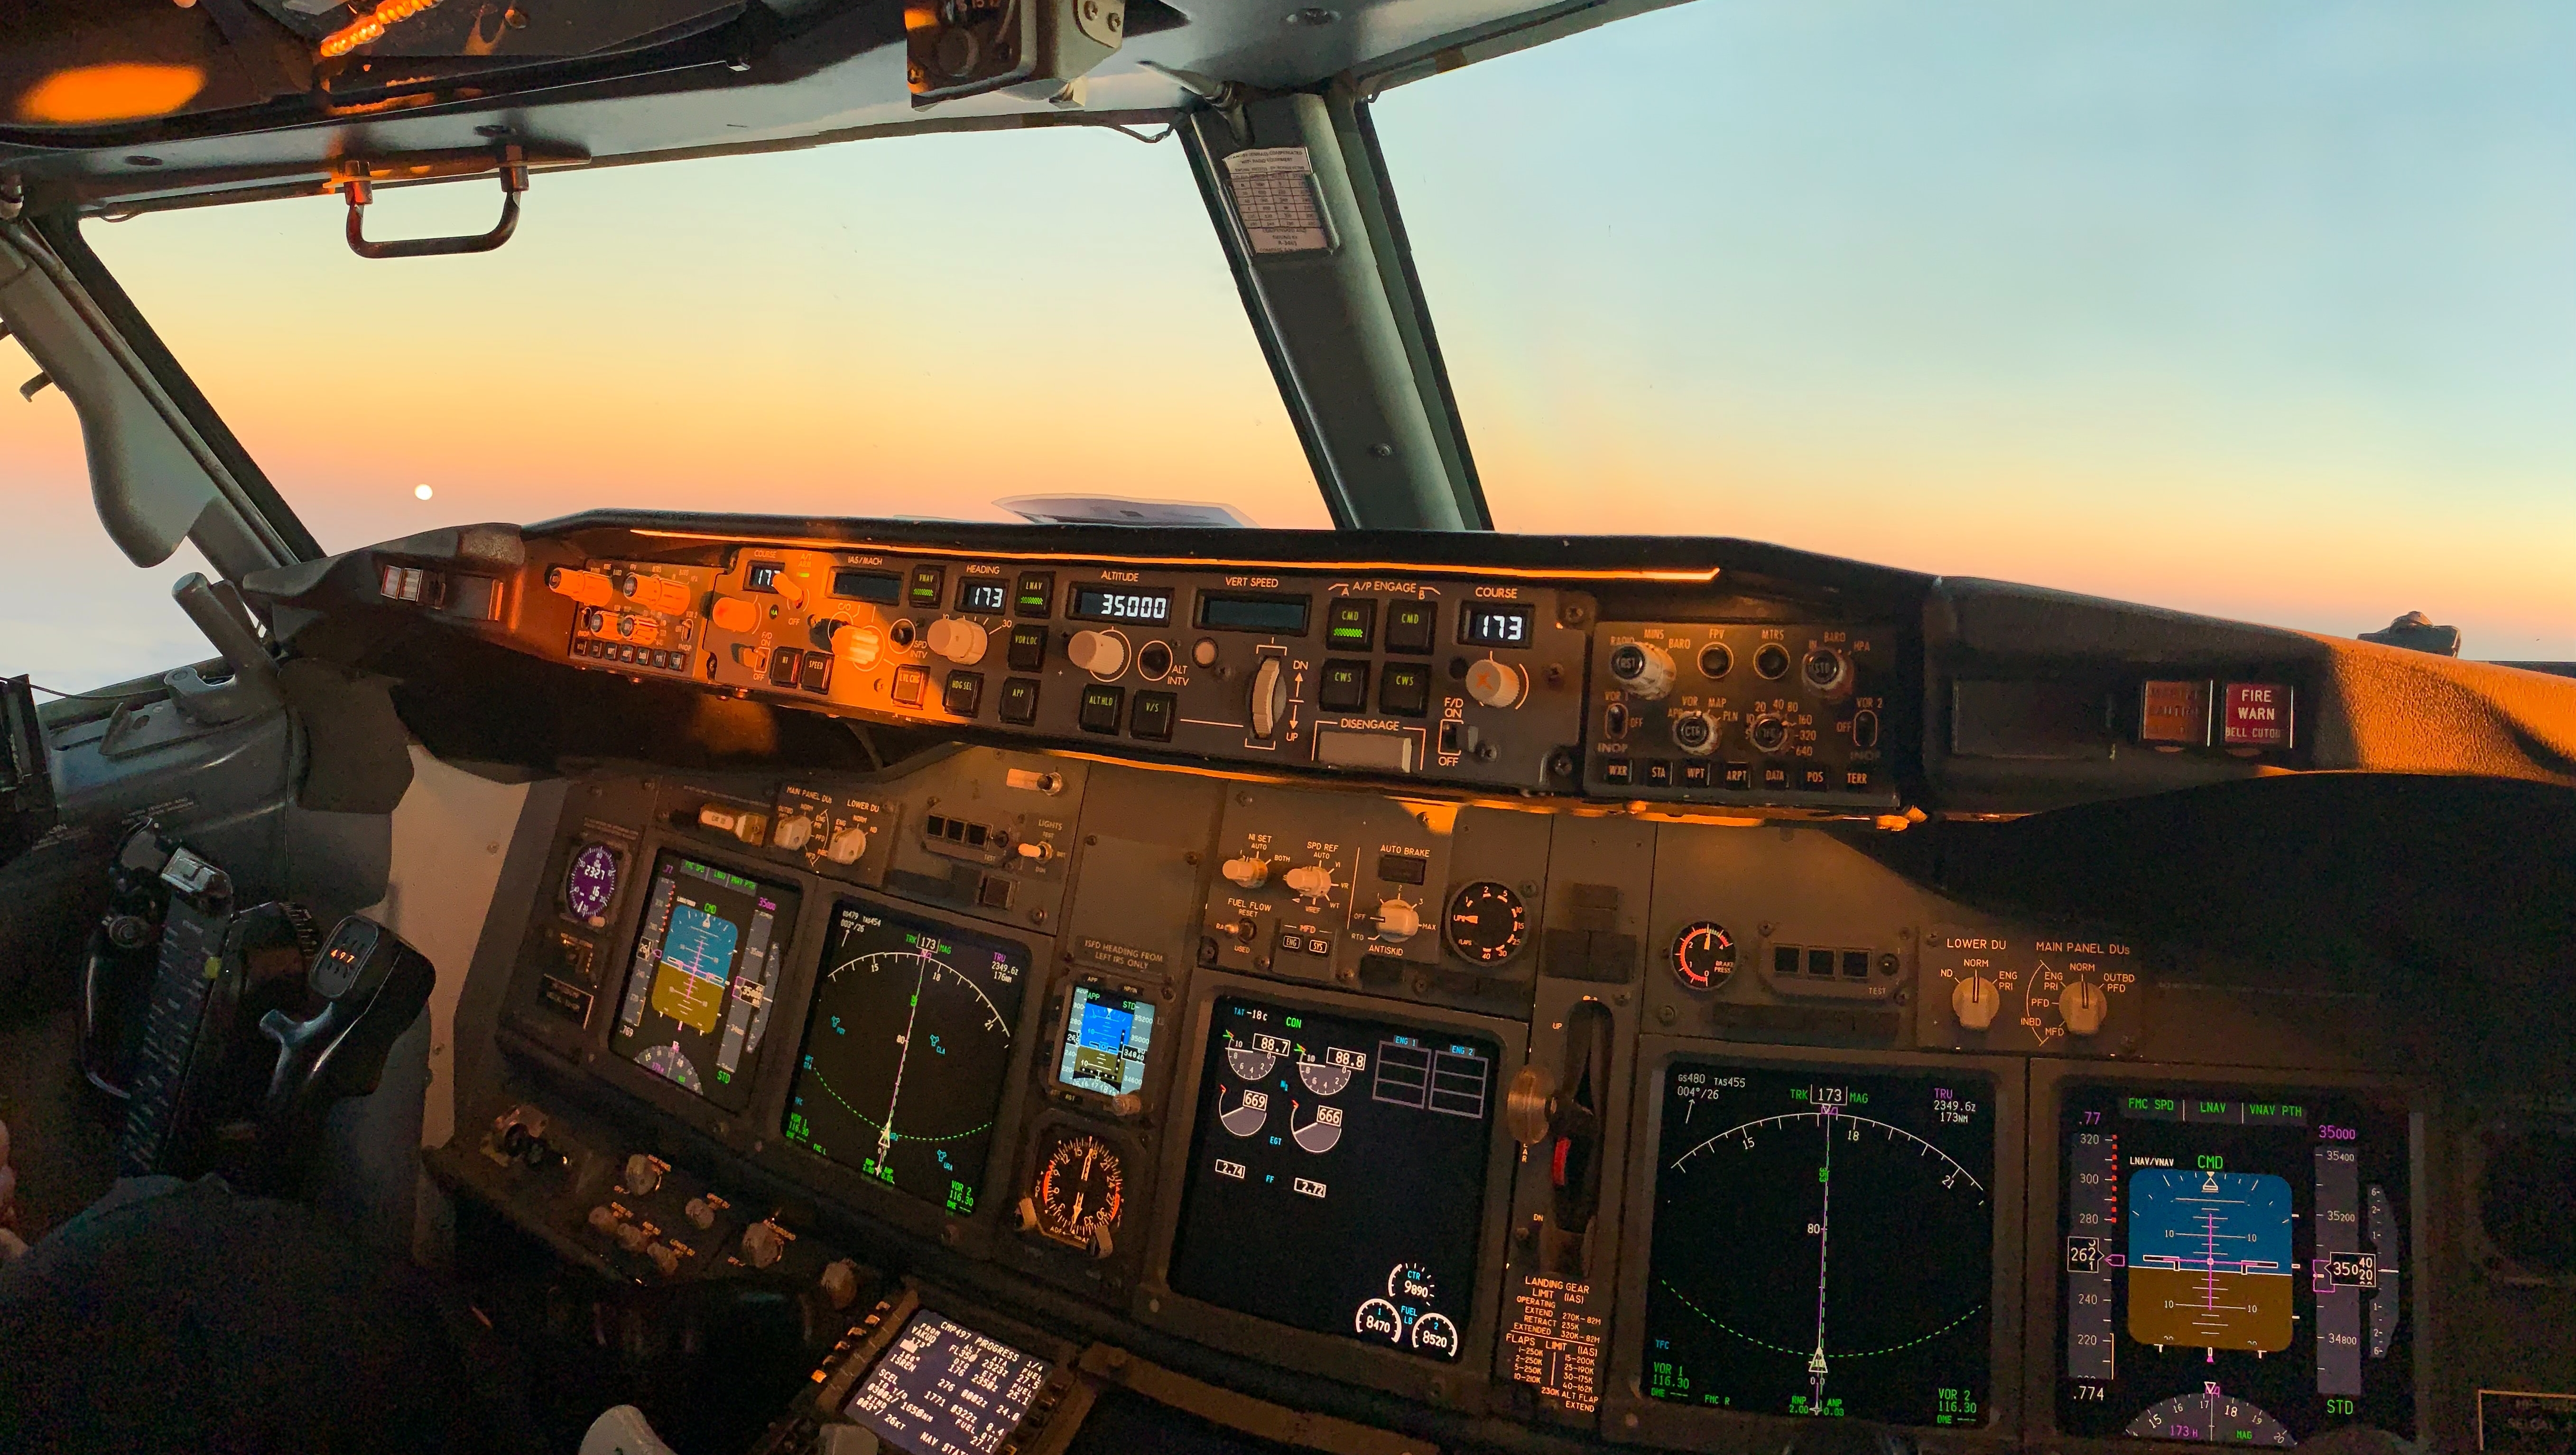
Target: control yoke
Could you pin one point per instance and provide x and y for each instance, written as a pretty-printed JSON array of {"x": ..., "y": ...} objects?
[{"x": 374, "y": 986}]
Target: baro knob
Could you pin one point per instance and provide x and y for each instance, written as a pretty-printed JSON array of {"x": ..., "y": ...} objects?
[
  {"x": 2083, "y": 1005},
  {"x": 1642, "y": 668},
  {"x": 1975, "y": 1002}
]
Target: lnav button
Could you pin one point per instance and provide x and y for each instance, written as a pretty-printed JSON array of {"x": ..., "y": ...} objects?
[{"x": 2256, "y": 715}]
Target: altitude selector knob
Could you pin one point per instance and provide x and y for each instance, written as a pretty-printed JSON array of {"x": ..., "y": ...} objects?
[
  {"x": 1398, "y": 921},
  {"x": 1642, "y": 669},
  {"x": 959, "y": 640},
  {"x": 2083, "y": 1005},
  {"x": 1974, "y": 1001},
  {"x": 1102, "y": 654}
]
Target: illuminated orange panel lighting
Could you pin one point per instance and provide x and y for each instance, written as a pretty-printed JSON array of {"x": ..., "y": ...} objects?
[
  {"x": 372, "y": 27},
  {"x": 1701, "y": 576},
  {"x": 121, "y": 91}
]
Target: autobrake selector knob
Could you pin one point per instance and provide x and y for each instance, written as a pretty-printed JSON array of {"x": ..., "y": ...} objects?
[
  {"x": 642, "y": 1174},
  {"x": 1642, "y": 669},
  {"x": 2083, "y": 1005},
  {"x": 1974, "y": 1001},
  {"x": 1102, "y": 654},
  {"x": 1398, "y": 921},
  {"x": 763, "y": 1244},
  {"x": 959, "y": 640},
  {"x": 1269, "y": 697},
  {"x": 1497, "y": 684},
  {"x": 1250, "y": 871}
]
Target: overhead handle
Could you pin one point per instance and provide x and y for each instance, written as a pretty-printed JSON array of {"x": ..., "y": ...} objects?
[{"x": 359, "y": 188}]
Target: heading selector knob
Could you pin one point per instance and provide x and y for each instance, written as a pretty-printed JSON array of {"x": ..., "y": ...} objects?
[
  {"x": 959, "y": 640},
  {"x": 1102, "y": 654},
  {"x": 1398, "y": 921},
  {"x": 1497, "y": 684},
  {"x": 1251, "y": 871},
  {"x": 1644, "y": 669}
]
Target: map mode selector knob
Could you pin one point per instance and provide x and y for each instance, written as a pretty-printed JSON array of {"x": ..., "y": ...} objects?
[
  {"x": 1642, "y": 668},
  {"x": 2083, "y": 1005},
  {"x": 1250, "y": 871},
  {"x": 1974, "y": 1001},
  {"x": 1398, "y": 921},
  {"x": 763, "y": 1244},
  {"x": 1102, "y": 654},
  {"x": 1497, "y": 684},
  {"x": 1269, "y": 697},
  {"x": 959, "y": 640}
]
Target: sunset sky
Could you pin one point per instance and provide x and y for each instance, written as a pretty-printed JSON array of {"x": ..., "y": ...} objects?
[{"x": 2260, "y": 309}]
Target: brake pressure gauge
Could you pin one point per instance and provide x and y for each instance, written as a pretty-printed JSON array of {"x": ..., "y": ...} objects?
[{"x": 1703, "y": 955}]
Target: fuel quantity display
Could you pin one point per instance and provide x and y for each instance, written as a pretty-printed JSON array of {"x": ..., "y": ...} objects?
[
  {"x": 1823, "y": 1243},
  {"x": 707, "y": 955},
  {"x": 1337, "y": 1175},
  {"x": 2232, "y": 1265},
  {"x": 906, "y": 1051}
]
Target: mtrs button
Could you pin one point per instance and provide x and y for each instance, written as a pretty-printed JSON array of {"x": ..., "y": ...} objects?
[
  {"x": 1404, "y": 689},
  {"x": 1343, "y": 687},
  {"x": 1152, "y": 716},
  {"x": 1101, "y": 706}
]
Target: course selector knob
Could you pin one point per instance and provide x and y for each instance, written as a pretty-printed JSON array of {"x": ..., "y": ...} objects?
[
  {"x": 1251, "y": 871},
  {"x": 1398, "y": 921},
  {"x": 1102, "y": 654},
  {"x": 1497, "y": 684},
  {"x": 1974, "y": 1001},
  {"x": 2083, "y": 1005},
  {"x": 957, "y": 639}
]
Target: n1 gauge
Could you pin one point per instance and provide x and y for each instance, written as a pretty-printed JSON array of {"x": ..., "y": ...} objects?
[{"x": 1703, "y": 955}]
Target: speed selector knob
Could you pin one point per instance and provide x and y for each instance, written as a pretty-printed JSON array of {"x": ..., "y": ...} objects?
[
  {"x": 763, "y": 1244},
  {"x": 1269, "y": 697},
  {"x": 1398, "y": 921},
  {"x": 1102, "y": 654},
  {"x": 1251, "y": 871},
  {"x": 840, "y": 1282},
  {"x": 643, "y": 1174},
  {"x": 2083, "y": 1005},
  {"x": 957, "y": 639},
  {"x": 1497, "y": 684},
  {"x": 1309, "y": 881},
  {"x": 1974, "y": 1001},
  {"x": 848, "y": 846},
  {"x": 1642, "y": 669}
]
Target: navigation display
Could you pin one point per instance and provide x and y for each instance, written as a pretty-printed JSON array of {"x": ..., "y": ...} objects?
[
  {"x": 698, "y": 986},
  {"x": 2233, "y": 1265},
  {"x": 943, "y": 1389},
  {"x": 1823, "y": 1243},
  {"x": 1337, "y": 1175},
  {"x": 1106, "y": 1040},
  {"x": 906, "y": 1049}
]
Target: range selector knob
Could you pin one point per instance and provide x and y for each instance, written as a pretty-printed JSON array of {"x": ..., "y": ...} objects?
[
  {"x": 2083, "y": 1005},
  {"x": 700, "y": 1213},
  {"x": 1269, "y": 697},
  {"x": 848, "y": 846},
  {"x": 763, "y": 1244},
  {"x": 1974, "y": 1001},
  {"x": 793, "y": 833},
  {"x": 959, "y": 640},
  {"x": 1102, "y": 654},
  {"x": 642, "y": 1174},
  {"x": 1309, "y": 881},
  {"x": 1642, "y": 669},
  {"x": 1250, "y": 871},
  {"x": 1398, "y": 921},
  {"x": 1497, "y": 684},
  {"x": 840, "y": 1282},
  {"x": 590, "y": 588}
]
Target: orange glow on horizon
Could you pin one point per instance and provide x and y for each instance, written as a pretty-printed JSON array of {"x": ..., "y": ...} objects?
[{"x": 121, "y": 91}]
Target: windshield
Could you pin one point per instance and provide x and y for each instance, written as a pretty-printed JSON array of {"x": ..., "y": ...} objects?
[
  {"x": 2267, "y": 311},
  {"x": 896, "y": 327}
]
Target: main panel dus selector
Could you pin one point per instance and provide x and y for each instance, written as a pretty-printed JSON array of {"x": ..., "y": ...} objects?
[{"x": 1396, "y": 674}]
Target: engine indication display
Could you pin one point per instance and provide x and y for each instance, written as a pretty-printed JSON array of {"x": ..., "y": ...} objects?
[
  {"x": 1337, "y": 1175},
  {"x": 707, "y": 957},
  {"x": 2232, "y": 1265},
  {"x": 906, "y": 1051},
  {"x": 1864, "y": 1202}
]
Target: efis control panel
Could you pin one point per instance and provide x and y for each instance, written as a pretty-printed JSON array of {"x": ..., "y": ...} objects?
[{"x": 1742, "y": 712}]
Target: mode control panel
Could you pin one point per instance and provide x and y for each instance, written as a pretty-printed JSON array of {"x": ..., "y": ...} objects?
[
  {"x": 1395, "y": 675},
  {"x": 1743, "y": 712}
]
